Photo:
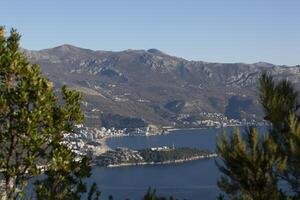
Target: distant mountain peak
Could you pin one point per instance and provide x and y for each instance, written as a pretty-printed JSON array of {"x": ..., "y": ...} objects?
[
  {"x": 67, "y": 47},
  {"x": 155, "y": 51},
  {"x": 155, "y": 86},
  {"x": 263, "y": 64}
]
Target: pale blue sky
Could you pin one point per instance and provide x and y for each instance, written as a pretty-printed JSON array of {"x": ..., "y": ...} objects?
[{"x": 210, "y": 30}]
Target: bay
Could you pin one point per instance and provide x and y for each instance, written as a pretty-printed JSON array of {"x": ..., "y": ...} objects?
[{"x": 192, "y": 180}]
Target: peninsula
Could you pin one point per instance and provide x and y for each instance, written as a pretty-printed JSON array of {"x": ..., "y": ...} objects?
[{"x": 158, "y": 155}]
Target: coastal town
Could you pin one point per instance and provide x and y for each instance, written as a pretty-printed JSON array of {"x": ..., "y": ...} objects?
[
  {"x": 92, "y": 141},
  {"x": 208, "y": 120}
]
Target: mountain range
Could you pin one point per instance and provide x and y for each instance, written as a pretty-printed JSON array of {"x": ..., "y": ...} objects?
[{"x": 153, "y": 87}]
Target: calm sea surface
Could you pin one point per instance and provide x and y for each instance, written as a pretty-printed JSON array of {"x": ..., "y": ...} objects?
[{"x": 194, "y": 180}]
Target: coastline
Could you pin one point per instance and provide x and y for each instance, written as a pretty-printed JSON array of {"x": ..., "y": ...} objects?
[
  {"x": 182, "y": 129},
  {"x": 212, "y": 155},
  {"x": 201, "y": 128},
  {"x": 103, "y": 141},
  {"x": 103, "y": 146}
]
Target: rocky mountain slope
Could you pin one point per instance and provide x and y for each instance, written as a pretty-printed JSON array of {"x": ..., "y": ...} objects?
[{"x": 155, "y": 87}]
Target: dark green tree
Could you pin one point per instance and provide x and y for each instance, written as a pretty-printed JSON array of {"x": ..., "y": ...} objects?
[
  {"x": 151, "y": 195},
  {"x": 64, "y": 178},
  {"x": 280, "y": 103},
  {"x": 252, "y": 166},
  {"x": 33, "y": 120}
]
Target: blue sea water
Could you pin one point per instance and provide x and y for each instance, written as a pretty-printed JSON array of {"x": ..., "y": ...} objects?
[{"x": 194, "y": 180}]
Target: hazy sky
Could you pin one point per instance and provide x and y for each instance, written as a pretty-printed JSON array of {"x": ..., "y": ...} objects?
[{"x": 210, "y": 30}]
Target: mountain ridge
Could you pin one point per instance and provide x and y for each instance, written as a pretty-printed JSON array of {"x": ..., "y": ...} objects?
[
  {"x": 154, "y": 51},
  {"x": 149, "y": 84}
]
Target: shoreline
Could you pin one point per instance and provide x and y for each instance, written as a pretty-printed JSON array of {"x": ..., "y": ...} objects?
[
  {"x": 103, "y": 141},
  {"x": 182, "y": 129},
  {"x": 103, "y": 146},
  {"x": 213, "y": 155},
  {"x": 200, "y": 128}
]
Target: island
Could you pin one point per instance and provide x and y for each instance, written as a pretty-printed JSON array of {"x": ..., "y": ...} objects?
[
  {"x": 158, "y": 155},
  {"x": 92, "y": 142}
]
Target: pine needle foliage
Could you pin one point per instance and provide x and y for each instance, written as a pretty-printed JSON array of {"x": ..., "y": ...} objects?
[
  {"x": 33, "y": 120},
  {"x": 151, "y": 195},
  {"x": 251, "y": 165},
  {"x": 280, "y": 101}
]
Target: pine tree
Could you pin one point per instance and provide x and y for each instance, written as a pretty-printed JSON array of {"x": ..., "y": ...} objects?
[
  {"x": 280, "y": 103},
  {"x": 250, "y": 167},
  {"x": 151, "y": 195},
  {"x": 33, "y": 120},
  {"x": 274, "y": 157}
]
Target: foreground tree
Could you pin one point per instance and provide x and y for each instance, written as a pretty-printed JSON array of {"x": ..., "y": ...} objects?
[
  {"x": 250, "y": 166},
  {"x": 151, "y": 195},
  {"x": 32, "y": 123},
  {"x": 280, "y": 103},
  {"x": 252, "y": 169}
]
